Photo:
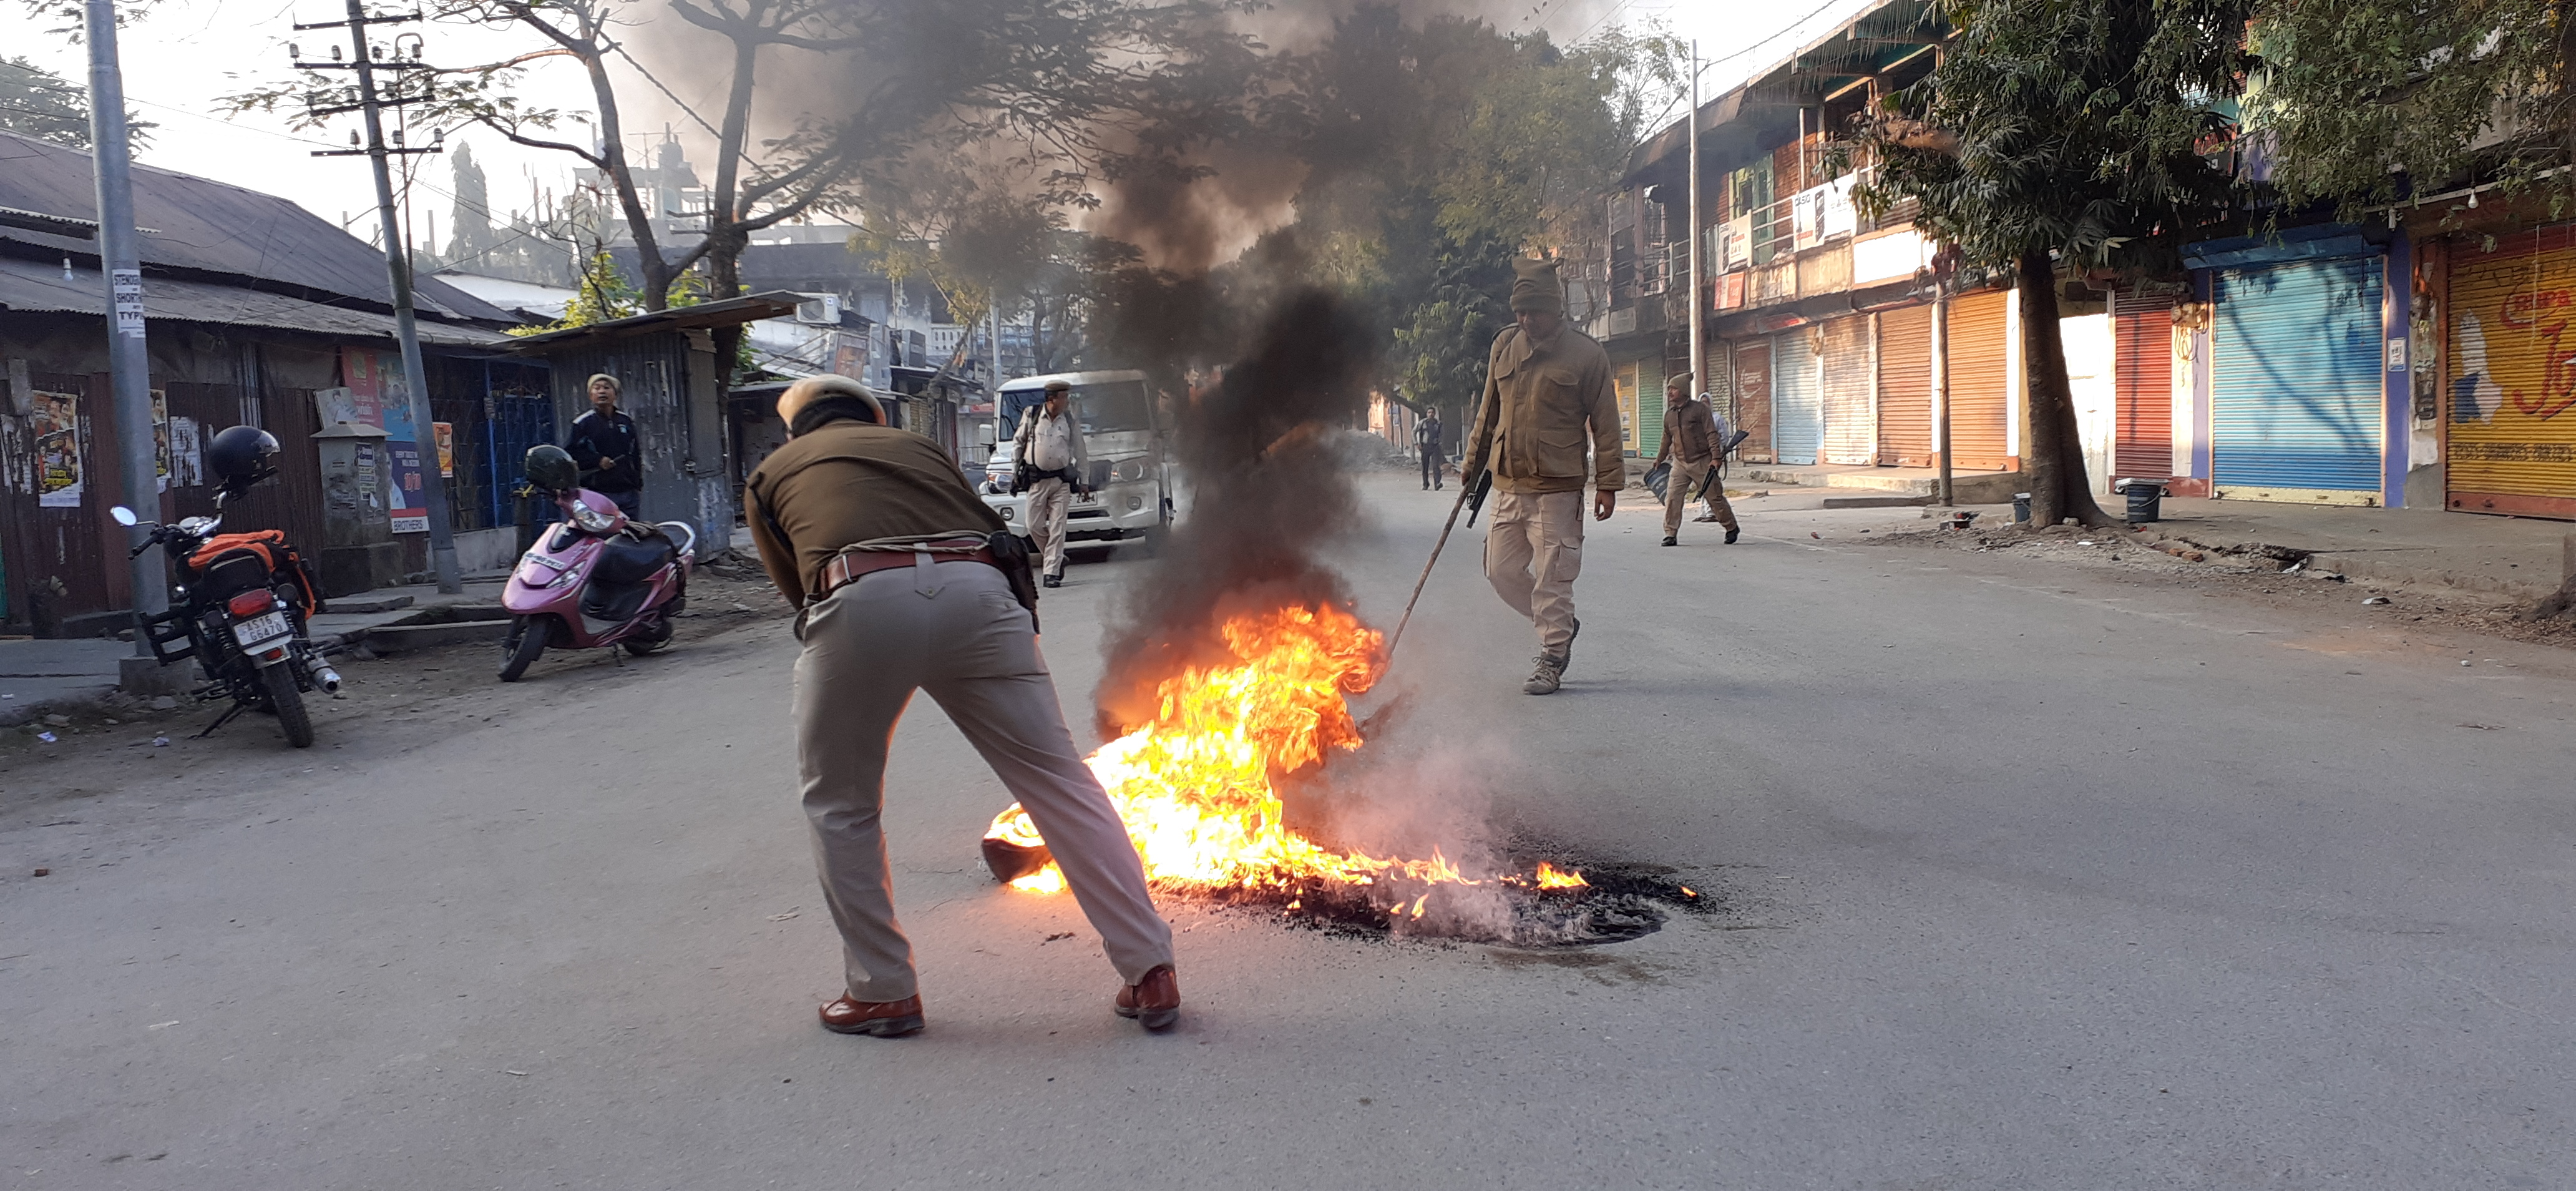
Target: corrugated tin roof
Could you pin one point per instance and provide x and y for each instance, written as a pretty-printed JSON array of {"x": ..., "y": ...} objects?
[
  {"x": 35, "y": 286},
  {"x": 1869, "y": 41},
  {"x": 208, "y": 226},
  {"x": 728, "y": 313}
]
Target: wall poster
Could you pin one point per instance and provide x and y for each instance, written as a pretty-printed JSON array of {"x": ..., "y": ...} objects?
[{"x": 55, "y": 429}]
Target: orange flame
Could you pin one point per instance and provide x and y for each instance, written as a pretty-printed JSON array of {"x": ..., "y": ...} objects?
[
  {"x": 1196, "y": 785},
  {"x": 1552, "y": 877}
]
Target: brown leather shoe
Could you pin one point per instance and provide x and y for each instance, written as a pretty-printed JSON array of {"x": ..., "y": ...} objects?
[
  {"x": 1155, "y": 1001},
  {"x": 884, "y": 1019}
]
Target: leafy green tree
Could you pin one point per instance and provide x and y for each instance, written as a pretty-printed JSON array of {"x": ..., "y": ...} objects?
[
  {"x": 49, "y": 107},
  {"x": 2356, "y": 95},
  {"x": 1439, "y": 150},
  {"x": 2065, "y": 132}
]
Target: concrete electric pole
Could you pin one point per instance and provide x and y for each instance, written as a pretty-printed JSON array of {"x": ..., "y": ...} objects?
[
  {"x": 442, "y": 527},
  {"x": 128, "y": 365}
]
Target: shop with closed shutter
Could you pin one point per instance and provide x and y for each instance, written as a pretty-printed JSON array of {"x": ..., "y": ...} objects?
[
  {"x": 1980, "y": 381},
  {"x": 1753, "y": 401},
  {"x": 1905, "y": 387},
  {"x": 1797, "y": 397},
  {"x": 2144, "y": 447},
  {"x": 2511, "y": 385},
  {"x": 2297, "y": 400},
  {"x": 1850, "y": 418}
]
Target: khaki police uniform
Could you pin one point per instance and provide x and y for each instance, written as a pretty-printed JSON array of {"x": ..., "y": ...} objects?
[
  {"x": 950, "y": 628},
  {"x": 1548, "y": 426}
]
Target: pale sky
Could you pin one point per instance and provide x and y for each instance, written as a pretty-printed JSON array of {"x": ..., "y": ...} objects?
[{"x": 189, "y": 52}]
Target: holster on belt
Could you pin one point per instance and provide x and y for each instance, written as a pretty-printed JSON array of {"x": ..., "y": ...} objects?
[{"x": 1017, "y": 557}]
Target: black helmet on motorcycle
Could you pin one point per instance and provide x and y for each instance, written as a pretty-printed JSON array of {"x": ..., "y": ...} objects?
[
  {"x": 242, "y": 456},
  {"x": 550, "y": 467}
]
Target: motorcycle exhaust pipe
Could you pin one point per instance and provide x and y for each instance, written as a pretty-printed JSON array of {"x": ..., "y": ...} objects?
[{"x": 324, "y": 677}]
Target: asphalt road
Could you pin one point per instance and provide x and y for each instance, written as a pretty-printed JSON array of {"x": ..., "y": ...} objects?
[{"x": 2034, "y": 877}]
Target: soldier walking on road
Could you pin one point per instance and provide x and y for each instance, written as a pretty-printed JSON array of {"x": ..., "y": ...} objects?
[
  {"x": 1547, "y": 386},
  {"x": 873, "y": 534},
  {"x": 1693, "y": 439},
  {"x": 1052, "y": 465},
  {"x": 1426, "y": 439}
]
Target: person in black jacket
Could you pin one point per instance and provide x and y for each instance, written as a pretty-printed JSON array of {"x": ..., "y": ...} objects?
[{"x": 603, "y": 442}]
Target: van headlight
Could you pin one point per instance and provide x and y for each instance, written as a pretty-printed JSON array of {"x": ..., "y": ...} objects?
[{"x": 1127, "y": 471}]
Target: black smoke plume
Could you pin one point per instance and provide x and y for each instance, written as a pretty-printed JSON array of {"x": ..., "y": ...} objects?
[{"x": 1257, "y": 444}]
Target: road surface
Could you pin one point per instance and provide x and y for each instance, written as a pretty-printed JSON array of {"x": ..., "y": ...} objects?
[{"x": 2033, "y": 876}]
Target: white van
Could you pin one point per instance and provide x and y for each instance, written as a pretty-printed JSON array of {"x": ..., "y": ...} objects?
[{"x": 1123, "y": 432}]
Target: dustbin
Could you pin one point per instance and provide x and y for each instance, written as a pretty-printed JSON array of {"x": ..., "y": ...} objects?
[
  {"x": 2146, "y": 499},
  {"x": 2021, "y": 507}
]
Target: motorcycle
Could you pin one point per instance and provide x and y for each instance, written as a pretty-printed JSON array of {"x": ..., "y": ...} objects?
[
  {"x": 597, "y": 579},
  {"x": 241, "y": 604}
]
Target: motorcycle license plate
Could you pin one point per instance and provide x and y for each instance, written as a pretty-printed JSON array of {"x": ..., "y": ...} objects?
[{"x": 260, "y": 630}]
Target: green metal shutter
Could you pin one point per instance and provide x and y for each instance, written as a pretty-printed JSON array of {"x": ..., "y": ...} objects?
[
  {"x": 1650, "y": 407},
  {"x": 2297, "y": 400}
]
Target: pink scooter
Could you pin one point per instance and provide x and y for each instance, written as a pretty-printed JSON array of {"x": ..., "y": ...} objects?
[{"x": 598, "y": 579}]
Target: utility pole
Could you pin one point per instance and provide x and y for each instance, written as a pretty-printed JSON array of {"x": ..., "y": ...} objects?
[
  {"x": 128, "y": 365},
  {"x": 1698, "y": 267},
  {"x": 1941, "y": 379},
  {"x": 442, "y": 529}
]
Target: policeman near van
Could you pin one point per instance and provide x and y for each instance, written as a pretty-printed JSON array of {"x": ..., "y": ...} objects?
[
  {"x": 1052, "y": 466},
  {"x": 1547, "y": 386},
  {"x": 875, "y": 536},
  {"x": 603, "y": 442}
]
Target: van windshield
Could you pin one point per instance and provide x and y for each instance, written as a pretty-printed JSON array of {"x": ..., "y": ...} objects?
[{"x": 1106, "y": 408}]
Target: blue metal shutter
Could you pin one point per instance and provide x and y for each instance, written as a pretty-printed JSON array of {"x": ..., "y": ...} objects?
[
  {"x": 1797, "y": 398},
  {"x": 2296, "y": 398}
]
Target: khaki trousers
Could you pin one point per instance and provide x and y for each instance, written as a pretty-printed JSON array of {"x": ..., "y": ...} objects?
[
  {"x": 954, "y": 630},
  {"x": 1050, "y": 502},
  {"x": 1533, "y": 551},
  {"x": 1678, "y": 486}
]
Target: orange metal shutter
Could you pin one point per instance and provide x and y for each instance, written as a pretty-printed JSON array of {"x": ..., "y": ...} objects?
[
  {"x": 2512, "y": 387},
  {"x": 1905, "y": 387},
  {"x": 1753, "y": 401},
  {"x": 2145, "y": 445},
  {"x": 1978, "y": 384}
]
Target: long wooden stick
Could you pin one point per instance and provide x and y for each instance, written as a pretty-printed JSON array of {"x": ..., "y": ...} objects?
[{"x": 1463, "y": 489}]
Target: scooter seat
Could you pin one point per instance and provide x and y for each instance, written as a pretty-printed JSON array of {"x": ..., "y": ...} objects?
[
  {"x": 624, "y": 560},
  {"x": 613, "y": 602}
]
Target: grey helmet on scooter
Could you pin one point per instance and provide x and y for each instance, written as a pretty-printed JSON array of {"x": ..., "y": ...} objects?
[
  {"x": 242, "y": 456},
  {"x": 550, "y": 467}
]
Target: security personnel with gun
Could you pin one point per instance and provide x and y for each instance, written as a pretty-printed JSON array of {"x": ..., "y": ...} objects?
[
  {"x": 905, "y": 581},
  {"x": 1051, "y": 465},
  {"x": 1547, "y": 386},
  {"x": 1695, "y": 439}
]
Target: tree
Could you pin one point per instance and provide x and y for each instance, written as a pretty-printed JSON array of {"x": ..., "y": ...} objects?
[
  {"x": 1440, "y": 150},
  {"x": 2356, "y": 96},
  {"x": 1061, "y": 86},
  {"x": 2064, "y": 132},
  {"x": 48, "y": 107}
]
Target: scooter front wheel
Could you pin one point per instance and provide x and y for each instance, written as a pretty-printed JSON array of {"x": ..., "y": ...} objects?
[{"x": 527, "y": 640}]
